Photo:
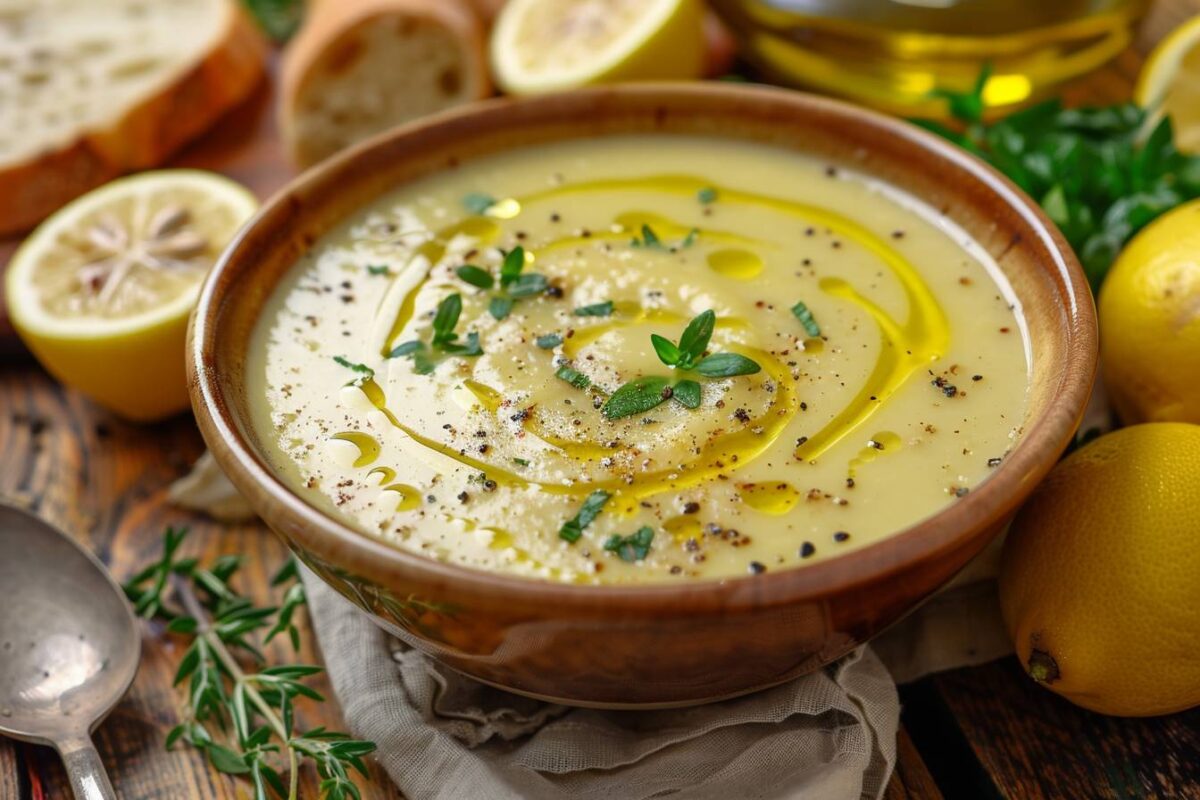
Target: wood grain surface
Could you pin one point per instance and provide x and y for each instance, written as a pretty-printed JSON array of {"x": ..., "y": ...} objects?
[{"x": 986, "y": 732}]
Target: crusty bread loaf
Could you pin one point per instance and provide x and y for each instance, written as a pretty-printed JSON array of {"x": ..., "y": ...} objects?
[
  {"x": 93, "y": 88},
  {"x": 358, "y": 67}
]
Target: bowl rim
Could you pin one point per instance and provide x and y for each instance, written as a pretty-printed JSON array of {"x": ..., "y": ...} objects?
[{"x": 1044, "y": 438}]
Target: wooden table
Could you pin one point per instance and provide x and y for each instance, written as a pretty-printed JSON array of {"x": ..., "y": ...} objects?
[{"x": 986, "y": 732}]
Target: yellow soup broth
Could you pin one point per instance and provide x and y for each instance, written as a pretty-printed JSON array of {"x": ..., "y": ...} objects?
[{"x": 882, "y": 363}]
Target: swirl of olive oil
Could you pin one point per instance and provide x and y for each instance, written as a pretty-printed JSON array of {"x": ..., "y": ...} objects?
[{"x": 905, "y": 347}]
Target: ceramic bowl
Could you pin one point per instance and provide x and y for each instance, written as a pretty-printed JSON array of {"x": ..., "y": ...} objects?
[{"x": 654, "y": 645}]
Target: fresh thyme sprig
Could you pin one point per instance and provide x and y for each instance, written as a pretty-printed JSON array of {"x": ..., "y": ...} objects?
[
  {"x": 648, "y": 391},
  {"x": 515, "y": 284},
  {"x": 650, "y": 240},
  {"x": 1102, "y": 174},
  {"x": 443, "y": 342},
  {"x": 243, "y": 720}
]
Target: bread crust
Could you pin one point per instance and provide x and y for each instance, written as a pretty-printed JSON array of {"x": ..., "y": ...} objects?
[
  {"x": 141, "y": 137},
  {"x": 329, "y": 20}
]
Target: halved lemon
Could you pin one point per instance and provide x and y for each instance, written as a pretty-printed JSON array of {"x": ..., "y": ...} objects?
[
  {"x": 1169, "y": 83},
  {"x": 549, "y": 45},
  {"x": 101, "y": 291}
]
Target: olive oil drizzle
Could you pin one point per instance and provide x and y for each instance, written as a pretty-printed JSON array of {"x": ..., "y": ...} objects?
[{"x": 904, "y": 348}]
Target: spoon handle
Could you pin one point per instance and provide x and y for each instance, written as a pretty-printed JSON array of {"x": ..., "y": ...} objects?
[{"x": 89, "y": 781}]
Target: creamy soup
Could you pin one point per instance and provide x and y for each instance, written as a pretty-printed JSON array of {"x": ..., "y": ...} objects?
[{"x": 643, "y": 358}]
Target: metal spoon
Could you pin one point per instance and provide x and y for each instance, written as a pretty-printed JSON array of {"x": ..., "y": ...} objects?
[{"x": 69, "y": 645}]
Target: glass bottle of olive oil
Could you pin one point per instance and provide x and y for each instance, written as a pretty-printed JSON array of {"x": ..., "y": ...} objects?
[{"x": 892, "y": 53}]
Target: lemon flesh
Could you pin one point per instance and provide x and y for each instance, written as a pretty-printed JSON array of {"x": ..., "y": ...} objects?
[
  {"x": 101, "y": 291},
  {"x": 1169, "y": 83},
  {"x": 548, "y": 45},
  {"x": 1100, "y": 576},
  {"x": 1150, "y": 322}
]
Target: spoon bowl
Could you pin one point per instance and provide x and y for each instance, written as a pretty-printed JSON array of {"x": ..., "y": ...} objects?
[{"x": 69, "y": 645}]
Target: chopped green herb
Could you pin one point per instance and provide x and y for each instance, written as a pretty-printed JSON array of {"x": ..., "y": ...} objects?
[
  {"x": 572, "y": 529},
  {"x": 690, "y": 239},
  {"x": 573, "y": 377},
  {"x": 478, "y": 202},
  {"x": 806, "y": 319},
  {"x": 1096, "y": 173},
  {"x": 649, "y": 238},
  {"x": 476, "y": 276},
  {"x": 365, "y": 373},
  {"x": 604, "y": 309},
  {"x": 279, "y": 19},
  {"x": 500, "y": 307},
  {"x": 687, "y": 393},
  {"x": 633, "y": 547},
  {"x": 548, "y": 341},
  {"x": 706, "y": 195},
  {"x": 727, "y": 365},
  {"x": 377, "y": 269},
  {"x": 527, "y": 285},
  {"x": 444, "y": 339},
  {"x": 510, "y": 268},
  {"x": 637, "y": 396},
  {"x": 521, "y": 462}
]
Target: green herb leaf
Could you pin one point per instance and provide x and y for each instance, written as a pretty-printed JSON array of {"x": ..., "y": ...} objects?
[
  {"x": 636, "y": 396},
  {"x": 633, "y": 547},
  {"x": 691, "y": 237},
  {"x": 514, "y": 262},
  {"x": 476, "y": 276},
  {"x": 364, "y": 372},
  {"x": 572, "y": 529},
  {"x": 727, "y": 365},
  {"x": 531, "y": 283},
  {"x": 279, "y": 19},
  {"x": 595, "y": 309},
  {"x": 649, "y": 238},
  {"x": 478, "y": 202},
  {"x": 696, "y": 337},
  {"x": 573, "y": 377},
  {"x": 706, "y": 195},
  {"x": 446, "y": 318},
  {"x": 500, "y": 307},
  {"x": 667, "y": 352},
  {"x": 377, "y": 269},
  {"x": 548, "y": 341},
  {"x": 805, "y": 316},
  {"x": 687, "y": 393},
  {"x": 521, "y": 462},
  {"x": 471, "y": 348},
  {"x": 226, "y": 760},
  {"x": 406, "y": 348}
]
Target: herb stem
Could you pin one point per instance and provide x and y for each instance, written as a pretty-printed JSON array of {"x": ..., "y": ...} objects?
[{"x": 204, "y": 628}]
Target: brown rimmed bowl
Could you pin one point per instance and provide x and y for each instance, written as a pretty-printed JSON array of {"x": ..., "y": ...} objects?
[{"x": 661, "y": 644}]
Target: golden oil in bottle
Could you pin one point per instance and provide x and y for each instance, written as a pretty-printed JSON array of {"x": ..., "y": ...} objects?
[{"x": 892, "y": 53}]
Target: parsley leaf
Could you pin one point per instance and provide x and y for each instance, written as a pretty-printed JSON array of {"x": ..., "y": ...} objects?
[
  {"x": 634, "y": 547},
  {"x": 637, "y": 396},
  {"x": 604, "y": 309},
  {"x": 1094, "y": 171},
  {"x": 572, "y": 529}
]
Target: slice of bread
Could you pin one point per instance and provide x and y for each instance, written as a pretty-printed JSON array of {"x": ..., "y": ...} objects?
[
  {"x": 93, "y": 88},
  {"x": 358, "y": 67}
]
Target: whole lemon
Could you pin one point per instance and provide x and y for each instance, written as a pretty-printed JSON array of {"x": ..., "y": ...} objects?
[
  {"x": 1100, "y": 576},
  {"x": 1150, "y": 322}
]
